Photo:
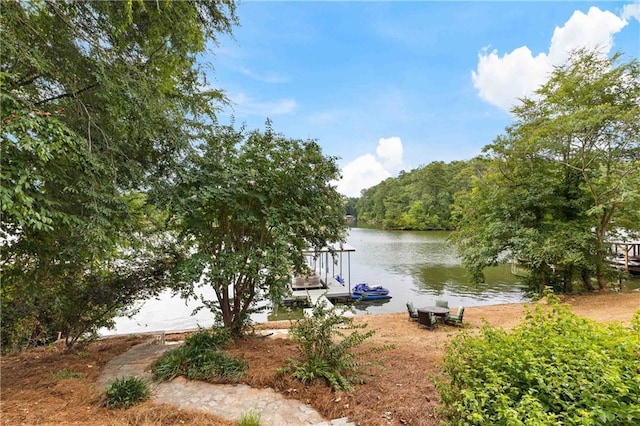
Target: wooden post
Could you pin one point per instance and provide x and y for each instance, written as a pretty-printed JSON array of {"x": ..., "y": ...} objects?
[{"x": 626, "y": 257}]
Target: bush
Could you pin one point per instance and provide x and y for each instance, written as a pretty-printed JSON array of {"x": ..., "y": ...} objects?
[
  {"x": 76, "y": 300},
  {"x": 325, "y": 340},
  {"x": 554, "y": 368},
  {"x": 200, "y": 358},
  {"x": 127, "y": 392}
]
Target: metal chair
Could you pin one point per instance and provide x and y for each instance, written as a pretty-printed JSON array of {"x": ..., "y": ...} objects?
[
  {"x": 427, "y": 319},
  {"x": 455, "y": 319},
  {"x": 442, "y": 303},
  {"x": 413, "y": 314}
]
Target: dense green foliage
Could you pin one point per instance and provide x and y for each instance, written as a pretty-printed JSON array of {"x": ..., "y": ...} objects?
[
  {"x": 554, "y": 368},
  {"x": 564, "y": 175},
  {"x": 249, "y": 203},
  {"x": 126, "y": 392},
  {"x": 326, "y": 340},
  {"x": 98, "y": 99},
  {"x": 420, "y": 199},
  {"x": 200, "y": 358}
]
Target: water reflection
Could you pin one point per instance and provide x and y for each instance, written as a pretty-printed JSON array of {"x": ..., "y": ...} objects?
[{"x": 420, "y": 267}]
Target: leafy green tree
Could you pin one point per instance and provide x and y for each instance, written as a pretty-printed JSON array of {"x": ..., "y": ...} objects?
[
  {"x": 97, "y": 100},
  {"x": 249, "y": 203},
  {"x": 560, "y": 177}
]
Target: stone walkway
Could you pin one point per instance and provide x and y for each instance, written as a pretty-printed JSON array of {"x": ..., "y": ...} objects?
[{"x": 229, "y": 402}]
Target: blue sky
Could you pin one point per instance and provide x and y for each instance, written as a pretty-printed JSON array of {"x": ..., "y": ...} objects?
[{"x": 390, "y": 86}]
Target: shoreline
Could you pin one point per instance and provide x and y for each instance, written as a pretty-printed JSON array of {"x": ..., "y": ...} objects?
[{"x": 493, "y": 313}]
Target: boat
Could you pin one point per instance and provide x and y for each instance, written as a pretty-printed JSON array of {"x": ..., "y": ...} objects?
[
  {"x": 366, "y": 288},
  {"x": 366, "y": 297},
  {"x": 364, "y": 291}
]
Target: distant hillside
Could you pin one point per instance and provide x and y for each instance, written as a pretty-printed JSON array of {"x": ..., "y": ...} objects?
[{"x": 421, "y": 199}]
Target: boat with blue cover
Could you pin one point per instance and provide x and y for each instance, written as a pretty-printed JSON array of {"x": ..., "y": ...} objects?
[{"x": 364, "y": 291}]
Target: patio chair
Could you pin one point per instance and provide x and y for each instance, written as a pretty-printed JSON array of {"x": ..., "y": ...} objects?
[
  {"x": 413, "y": 314},
  {"x": 455, "y": 319},
  {"x": 427, "y": 319},
  {"x": 442, "y": 303}
]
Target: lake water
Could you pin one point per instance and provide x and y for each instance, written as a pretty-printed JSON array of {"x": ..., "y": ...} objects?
[
  {"x": 415, "y": 266},
  {"x": 420, "y": 266}
]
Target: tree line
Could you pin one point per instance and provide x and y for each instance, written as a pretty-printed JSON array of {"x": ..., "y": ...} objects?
[{"x": 421, "y": 199}]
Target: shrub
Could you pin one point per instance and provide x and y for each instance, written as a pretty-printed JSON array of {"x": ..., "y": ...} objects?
[
  {"x": 127, "y": 392},
  {"x": 554, "y": 368},
  {"x": 200, "y": 358},
  {"x": 76, "y": 300},
  {"x": 325, "y": 340}
]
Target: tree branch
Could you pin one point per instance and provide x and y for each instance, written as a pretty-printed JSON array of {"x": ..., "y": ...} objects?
[
  {"x": 26, "y": 80},
  {"x": 65, "y": 95}
]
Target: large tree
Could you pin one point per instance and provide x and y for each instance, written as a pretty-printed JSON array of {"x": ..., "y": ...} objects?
[
  {"x": 98, "y": 99},
  {"x": 249, "y": 203},
  {"x": 561, "y": 177}
]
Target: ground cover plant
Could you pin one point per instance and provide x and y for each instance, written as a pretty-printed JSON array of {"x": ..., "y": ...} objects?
[
  {"x": 200, "y": 358},
  {"x": 126, "y": 392},
  {"x": 553, "y": 368},
  {"x": 251, "y": 418}
]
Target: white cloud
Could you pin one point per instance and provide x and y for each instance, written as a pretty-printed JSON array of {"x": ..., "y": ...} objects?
[
  {"x": 390, "y": 152},
  {"x": 266, "y": 77},
  {"x": 363, "y": 172},
  {"x": 367, "y": 170},
  {"x": 502, "y": 80},
  {"x": 245, "y": 105},
  {"x": 594, "y": 30},
  {"x": 630, "y": 11}
]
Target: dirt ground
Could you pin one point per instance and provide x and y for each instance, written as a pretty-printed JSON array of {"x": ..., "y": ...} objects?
[{"x": 49, "y": 386}]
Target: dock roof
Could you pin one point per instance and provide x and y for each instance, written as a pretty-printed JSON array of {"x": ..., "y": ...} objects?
[{"x": 332, "y": 248}]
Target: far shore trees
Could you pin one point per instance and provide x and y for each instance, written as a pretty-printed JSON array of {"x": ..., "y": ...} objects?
[
  {"x": 561, "y": 178},
  {"x": 248, "y": 203},
  {"x": 420, "y": 199}
]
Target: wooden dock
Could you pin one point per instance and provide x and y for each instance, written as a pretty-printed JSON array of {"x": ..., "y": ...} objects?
[
  {"x": 327, "y": 263},
  {"x": 332, "y": 292},
  {"x": 626, "y": 255}
]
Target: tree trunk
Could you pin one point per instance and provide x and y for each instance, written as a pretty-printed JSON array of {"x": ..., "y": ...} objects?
[
  {"x": 600, "y": 274},
  {"x": 222, "y": 292},
  {"x": 567, "y": 279},
  {"x": 586, "y": 280}
]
